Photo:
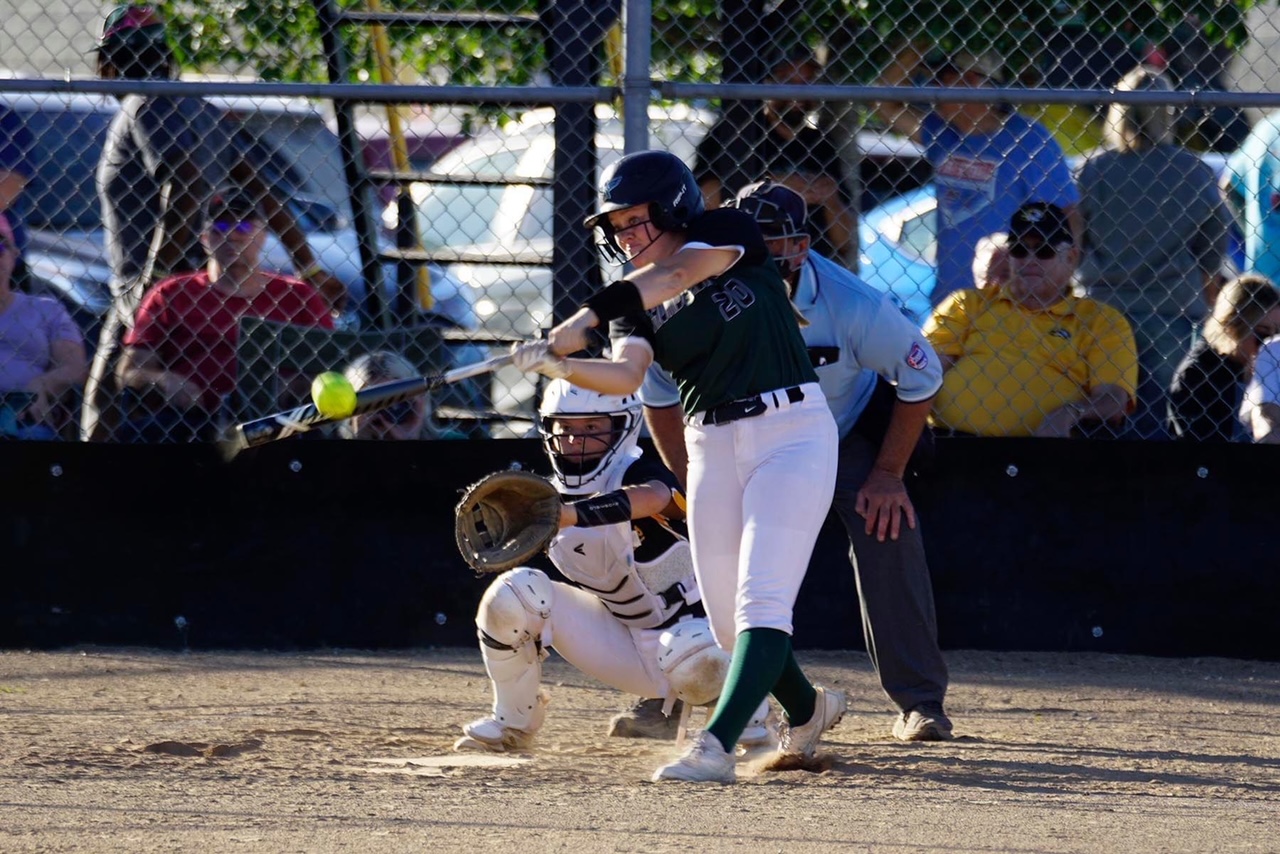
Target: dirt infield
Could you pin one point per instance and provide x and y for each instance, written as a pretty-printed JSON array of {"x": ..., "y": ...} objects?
[{"x": 144, "y": 751}]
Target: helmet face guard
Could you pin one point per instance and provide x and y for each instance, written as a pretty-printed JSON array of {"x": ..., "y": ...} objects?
[{"x": 584, "y": 462}]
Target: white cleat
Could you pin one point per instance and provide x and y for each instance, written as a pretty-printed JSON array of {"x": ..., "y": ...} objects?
[
  {"x": 488, "y": 734},
  {"x": 802, "y": 741},
  {"x": 706, "y": 761},
  {"x": 761, "y": 729}
]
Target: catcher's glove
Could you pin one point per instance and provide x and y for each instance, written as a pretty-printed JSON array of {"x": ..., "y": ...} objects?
[{"x": 506, "y": 518}]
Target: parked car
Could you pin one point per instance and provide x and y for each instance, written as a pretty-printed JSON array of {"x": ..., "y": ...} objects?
[
  {"x": 898, "y": 245},
  {"x": 298, "y": 152},
  {"x": 427, "y": 138}
]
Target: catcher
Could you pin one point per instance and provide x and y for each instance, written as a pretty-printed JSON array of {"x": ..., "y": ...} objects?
[{"x": 628, "y": 613}]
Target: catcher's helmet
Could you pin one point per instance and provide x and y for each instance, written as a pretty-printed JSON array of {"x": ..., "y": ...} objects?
[
  {"x": 781, "y": 214},
  {"x": 657, "y": 178},
  {"x": 583, "y": 469}
]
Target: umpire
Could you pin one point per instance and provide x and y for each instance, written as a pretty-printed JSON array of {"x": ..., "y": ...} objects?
[{"x": 879, "y": 376}]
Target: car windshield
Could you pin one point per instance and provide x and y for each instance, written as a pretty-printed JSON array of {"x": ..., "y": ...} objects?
[{"x": 62, "y": 194}]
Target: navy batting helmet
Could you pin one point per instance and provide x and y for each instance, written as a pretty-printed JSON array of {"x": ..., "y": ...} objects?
[{"x": 657, "y": 178}]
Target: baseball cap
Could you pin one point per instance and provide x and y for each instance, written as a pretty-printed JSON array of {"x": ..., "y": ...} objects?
[
  {"x": 779, "y": 211},
  {"x": 132, "y": 21},
  {"x": 1043, "y": 220},
  {"x": 232, "y": 204},
  {"x": 961, "y": 62}
]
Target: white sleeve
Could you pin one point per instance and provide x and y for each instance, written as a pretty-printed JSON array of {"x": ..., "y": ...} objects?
[
  {"x": 895, "y": 348},
  {"x": 658, "y": 391},
  {"x": 1266, "y": 373}
]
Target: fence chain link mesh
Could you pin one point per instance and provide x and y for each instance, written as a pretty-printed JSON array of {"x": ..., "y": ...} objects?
[{"x": 433, "y": 233}]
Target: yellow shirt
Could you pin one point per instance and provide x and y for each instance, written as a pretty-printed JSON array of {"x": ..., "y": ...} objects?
[{"x": 1014, "y": 365}]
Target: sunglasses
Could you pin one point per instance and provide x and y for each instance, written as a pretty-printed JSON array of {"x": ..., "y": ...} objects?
[
  {"x": 4, "y": 246},
  {"x": 1044, "y": 251},
  {"x": 244, "y": 226}
]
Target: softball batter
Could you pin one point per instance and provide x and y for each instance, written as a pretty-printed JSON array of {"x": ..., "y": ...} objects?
[{"x": 706, "y": 302}]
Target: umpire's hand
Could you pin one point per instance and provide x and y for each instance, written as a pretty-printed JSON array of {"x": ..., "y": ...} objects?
[{"x": 883, "y": 501}]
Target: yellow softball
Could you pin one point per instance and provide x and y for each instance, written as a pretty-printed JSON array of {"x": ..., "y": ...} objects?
[{"x": 333, "y": 395}]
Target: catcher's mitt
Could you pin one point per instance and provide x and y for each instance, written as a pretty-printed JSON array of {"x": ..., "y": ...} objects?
[{"x": 506, "y": 518}]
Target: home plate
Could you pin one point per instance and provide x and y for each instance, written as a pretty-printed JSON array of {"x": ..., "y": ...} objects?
[{"x": 432, "y": 766}]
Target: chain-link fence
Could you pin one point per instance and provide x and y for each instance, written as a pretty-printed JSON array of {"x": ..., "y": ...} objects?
[{"x": 186, "y": 248}]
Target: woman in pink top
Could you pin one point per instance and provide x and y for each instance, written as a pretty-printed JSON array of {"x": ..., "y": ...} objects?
[{"x": 41, "y": 354}]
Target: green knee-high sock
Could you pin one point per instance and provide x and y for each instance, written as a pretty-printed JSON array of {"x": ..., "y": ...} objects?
[
  {"x": 759, "y": 656},
  {"x": 794, "y": 692}
]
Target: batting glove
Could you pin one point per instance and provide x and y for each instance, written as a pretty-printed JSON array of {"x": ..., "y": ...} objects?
[{"x": 535, "y": 357}]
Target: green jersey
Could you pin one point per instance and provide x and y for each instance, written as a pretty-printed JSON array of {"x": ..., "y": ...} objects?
[{"x": 733, "y": 336}]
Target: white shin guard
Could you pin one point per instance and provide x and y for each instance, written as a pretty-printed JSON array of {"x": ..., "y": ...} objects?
[{"x": 512, "y": 621}]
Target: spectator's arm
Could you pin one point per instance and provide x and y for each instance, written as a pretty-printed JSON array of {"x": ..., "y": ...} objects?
[
  {"x": 899, "y": 116},
  {"x": 181, "y": 219},
  {"x": 666, "y": 427},
  {"x": 712, "y": 192},
  {"x": 282, "y": 221},
  {"x": 11, "y": 184},
  {"x": 142, "y": 369},
  {"x": 1108, "y": 403},
  {"x": 68, "y": 368},
  {"x": 948, "y": 326},
  {"x": 1265, "y": 424}
]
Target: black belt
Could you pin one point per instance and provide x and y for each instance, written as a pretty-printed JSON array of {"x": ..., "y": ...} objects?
[{"x": 749, "y": 407}]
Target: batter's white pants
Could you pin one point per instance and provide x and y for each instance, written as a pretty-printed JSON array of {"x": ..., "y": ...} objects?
[{"x": 759, "y": 492}]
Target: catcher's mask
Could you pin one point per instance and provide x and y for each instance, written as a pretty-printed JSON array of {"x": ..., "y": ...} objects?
[
  {"x": 656, "y": 178},
  {"x": 584, "y": 460},
  {"x": 781, "y": 214}
]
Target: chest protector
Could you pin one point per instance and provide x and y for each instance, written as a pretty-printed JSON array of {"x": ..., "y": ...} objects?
[{"x": 602, "y": 561}]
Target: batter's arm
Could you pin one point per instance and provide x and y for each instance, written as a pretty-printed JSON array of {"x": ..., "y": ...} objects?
[{"x": 645, "y": 288}]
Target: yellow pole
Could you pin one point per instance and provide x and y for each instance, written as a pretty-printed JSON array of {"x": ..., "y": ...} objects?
[{"x": 399, "y": 149}]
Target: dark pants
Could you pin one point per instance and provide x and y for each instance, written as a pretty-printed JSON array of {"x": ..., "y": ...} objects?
[
  {"x": 895, "y": 591},
  {"x": 102, "y": 412}
]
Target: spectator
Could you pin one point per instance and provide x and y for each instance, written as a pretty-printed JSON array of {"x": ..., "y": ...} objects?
[
  {"x": 1206, "y": 391},
  {"x": 1252, "y": 185},
  {"x": 783, "y": 142},
  {"x": 180, "y": 354},
  {"x": 1260, "y": 409},
  {"x": 988, "y": 159},
  {"x": 161, "y": 160},
  {"x": 1029, "y": 358},
  {"x": 41, "y": 353},
  {"x": 404, "y": 420},
  {"x": 991, "y": 261},
  {"x": 15, "y": 171},
  {"x": 1155, "y": 236},
  {"x": 879, "y": 377}
]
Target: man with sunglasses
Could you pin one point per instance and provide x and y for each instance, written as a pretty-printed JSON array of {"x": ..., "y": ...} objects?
[
  {"x": 1027, "y": 357},
  {"x": 180, "y": 355}
]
